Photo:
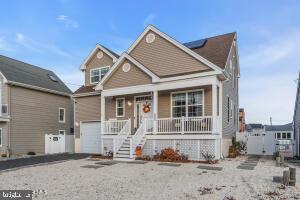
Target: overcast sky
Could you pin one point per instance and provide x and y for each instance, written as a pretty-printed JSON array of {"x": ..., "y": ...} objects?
[{"x": 58, "y": 35}]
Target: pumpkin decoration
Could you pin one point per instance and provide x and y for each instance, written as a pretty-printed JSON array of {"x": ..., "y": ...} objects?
[{"x": 146, "y": 108}]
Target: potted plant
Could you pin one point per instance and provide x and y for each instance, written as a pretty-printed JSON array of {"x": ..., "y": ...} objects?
[{"x": 138, "y": 151}]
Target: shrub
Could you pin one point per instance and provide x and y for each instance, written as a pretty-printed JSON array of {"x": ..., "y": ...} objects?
[
  {"x": 208, "y": 157},
  {"x": 169, "y": 154},
  {"x": 31, "y": 153}
]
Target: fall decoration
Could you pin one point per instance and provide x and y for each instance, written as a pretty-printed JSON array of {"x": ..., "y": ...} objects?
[
  {"x": 146, "y": 108},
  {"x": 138, "y": 151}
]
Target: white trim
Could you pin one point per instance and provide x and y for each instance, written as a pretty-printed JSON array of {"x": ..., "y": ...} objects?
[
  {"x": 186, "y": 98},
  {"x": 98, "y": 47},
  {"x": 4, "y": 78},
  {"x": 86, "y": 94},
  {"x": 115, "y": 66},
  {"x": 135, "y": 110},
  {"x": 1, "y": 136},
  {"x": 39, "y": 88},
  {"x": 61, "y": 121},
  {"x": 176, "y": 43},
  {"x": 123, "y": 98},
  {"x": 62, "y": 131},
  {"x": 99, "y": 69},
  {"x": 194, "y": 75},
  {"x": 181, "y": 84}
]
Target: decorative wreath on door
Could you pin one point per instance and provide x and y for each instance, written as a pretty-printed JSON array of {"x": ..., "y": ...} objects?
[{"x": 146, "y": 107}]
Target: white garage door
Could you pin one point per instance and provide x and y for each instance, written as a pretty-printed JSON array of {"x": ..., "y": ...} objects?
[{"x": 90, "y": 137}]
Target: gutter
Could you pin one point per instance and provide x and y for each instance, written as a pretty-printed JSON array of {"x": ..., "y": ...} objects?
[{"x": 38, "y": 88}]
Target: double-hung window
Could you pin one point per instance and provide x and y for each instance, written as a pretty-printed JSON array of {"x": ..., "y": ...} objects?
[
  {"x": 98, "y": 74},
  {"x": 62, "y": 115},
  {"x": 120, "y": 107},
  {"x": 187, "y": 104}
]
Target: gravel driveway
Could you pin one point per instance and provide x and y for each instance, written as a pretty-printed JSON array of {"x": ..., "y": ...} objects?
[{"x": 69, "y": 180}]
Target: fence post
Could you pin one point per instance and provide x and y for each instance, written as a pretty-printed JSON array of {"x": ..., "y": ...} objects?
[{"x": 182, "y": 125}]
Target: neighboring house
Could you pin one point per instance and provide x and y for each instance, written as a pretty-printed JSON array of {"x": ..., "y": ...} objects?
[
  {"x": 242, "y": 120},
  {"x": 255, "y": 129},
  {"x": 266, "y": 140},
  {"x": 160, "y": 93},
  {"x": 34, "y": 101},
  {"x": 297, "y": 118}
]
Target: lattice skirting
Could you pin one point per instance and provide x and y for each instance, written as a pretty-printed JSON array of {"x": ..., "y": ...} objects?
[
  {"x": 108, "y": 145},
  {"x": 192, "y": 148}
]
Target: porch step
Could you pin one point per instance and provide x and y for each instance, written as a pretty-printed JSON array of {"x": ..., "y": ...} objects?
[
  {"x": 124, "y": 159},
  {"x": 123, "y": 155}
]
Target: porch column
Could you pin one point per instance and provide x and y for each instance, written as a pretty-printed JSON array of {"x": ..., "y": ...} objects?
[
  {"x": 102, "y": 117},
  {"x": 155, "y": 111},
  {"x": 214, "y": 109}
]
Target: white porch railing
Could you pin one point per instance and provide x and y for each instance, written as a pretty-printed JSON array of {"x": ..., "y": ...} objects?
[
  {"x": 114, "y": 127},
  {"x": 137, "y": 138},
  {"x": 182, "y": 125},
  {"x": 120, "y": 139}
]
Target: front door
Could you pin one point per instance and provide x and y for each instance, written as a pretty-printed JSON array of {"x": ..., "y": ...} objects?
[{"x": 140, "y": 111}]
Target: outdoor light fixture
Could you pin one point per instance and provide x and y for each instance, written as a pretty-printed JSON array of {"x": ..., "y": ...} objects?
[{"x": 129, "y": 103}]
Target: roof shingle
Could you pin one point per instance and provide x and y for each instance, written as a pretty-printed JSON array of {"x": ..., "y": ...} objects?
[{"x": 20, "y": 72}]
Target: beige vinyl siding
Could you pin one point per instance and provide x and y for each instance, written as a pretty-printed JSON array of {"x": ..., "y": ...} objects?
[
  {"x": 86, "y": 109},
  {"x": 230, "y": 128},
  {"x": 34, "y": 113},
  {"x": 164, "y": 102},
  {"x": 119, "y": 78},
  {"x": 95, "y": 62},
  {"x": 164, "y": 59},
  {"x": 110, "y": 108}
]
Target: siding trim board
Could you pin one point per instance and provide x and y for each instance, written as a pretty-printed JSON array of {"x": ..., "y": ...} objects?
[{"x": 98, "y": 47}]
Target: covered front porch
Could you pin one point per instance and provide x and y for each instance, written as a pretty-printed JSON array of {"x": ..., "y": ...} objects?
[{"x": 132, "y": 114}]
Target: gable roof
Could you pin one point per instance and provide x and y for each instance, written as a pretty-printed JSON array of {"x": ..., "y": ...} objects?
[
  {"x": 109, "y": 52},
  {"x": 177, "y": 44},
  {"x": 124, "y": 56},
  {"x": 285, "y": 127},
  {"x": 19, "y": 72},
  {"x": 254, "y": 126},
  {"x": 215, "y": 49},
  {"x": 85, "y": 89}
]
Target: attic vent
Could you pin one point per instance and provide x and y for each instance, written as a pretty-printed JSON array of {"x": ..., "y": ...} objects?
[
  {"x": 126, "y": 67},
  {"x": 99, "y": 54},
  {"x": 150, "y": 38},
  {"x": 52, "y": 78}
]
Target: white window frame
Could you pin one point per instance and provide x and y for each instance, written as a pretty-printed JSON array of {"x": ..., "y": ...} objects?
[
  {"x": 62, "y": 131},
  {"x": 231, "y": 109},
  {"x": 186, "y": 99},
  {"x": 123, "y": 99},
  {"x": 61, "y": 121},
  {"x": 99, "y": 69},
  {"x": 1, "y": 136}
]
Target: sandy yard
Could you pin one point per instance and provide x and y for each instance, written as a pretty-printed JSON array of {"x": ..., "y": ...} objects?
[{"x": 68, "y": 180}]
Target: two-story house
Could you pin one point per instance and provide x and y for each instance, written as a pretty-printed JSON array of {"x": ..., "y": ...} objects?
[
  {"x": 160, "y": 93},
  {"x": 34, "y": 102}
]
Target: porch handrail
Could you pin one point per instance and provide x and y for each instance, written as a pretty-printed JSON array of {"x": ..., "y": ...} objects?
[
  {"x": 120, "y": 139},
  {"x": 137, "y": 138},
  {"x": 182, "y": 125},
  {"x": 114, "y": 127}
]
